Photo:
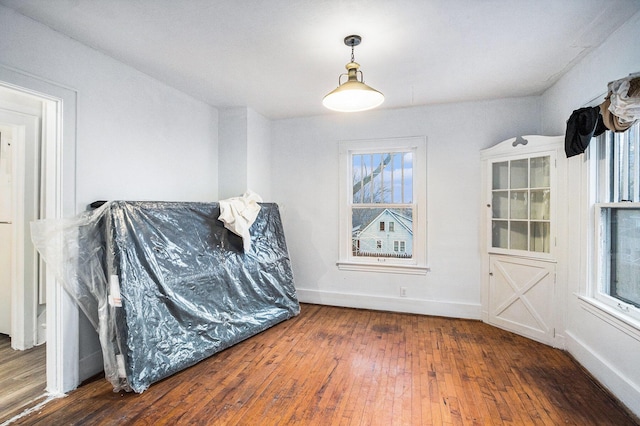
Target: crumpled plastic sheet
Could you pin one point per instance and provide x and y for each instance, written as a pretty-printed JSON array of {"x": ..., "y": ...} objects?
[{"x": 166, "y": 284}]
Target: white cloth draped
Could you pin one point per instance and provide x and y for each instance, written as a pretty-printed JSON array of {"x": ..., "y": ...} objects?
[
  {"x": 239, "y": 213},
  {"x": 624, "y": 105}
]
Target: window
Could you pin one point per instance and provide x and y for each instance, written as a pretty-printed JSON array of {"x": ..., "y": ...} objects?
[
  {"x": 399, "y": 246},
  {"x": 617, "y": 214},
  {"x": 383, "y": 190}
]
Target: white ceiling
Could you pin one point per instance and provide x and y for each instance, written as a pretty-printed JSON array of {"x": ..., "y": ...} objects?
[{"x": 280, "y": 57}]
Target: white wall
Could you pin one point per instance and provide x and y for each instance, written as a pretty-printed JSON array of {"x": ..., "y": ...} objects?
[
  {"x": 232, "y": 148},
  {"x": 610, "y": 352},
  {"x": 137, "y": 138},
  {"x": 305, "y": 183},
  {"x": 244, "y": 153},
  {"x": 259, "y": 155}
]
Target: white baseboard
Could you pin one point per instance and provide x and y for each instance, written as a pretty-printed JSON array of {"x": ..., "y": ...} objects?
[
  {"x": 90, "y": 365},
  {"x": 393, "y": 304},
  {"x": 627, "y": 392}
]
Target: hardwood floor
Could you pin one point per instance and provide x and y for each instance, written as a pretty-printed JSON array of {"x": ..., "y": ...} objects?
[
  {"x": 22, "y": 377},
  {"x": 357, "y": 367}
]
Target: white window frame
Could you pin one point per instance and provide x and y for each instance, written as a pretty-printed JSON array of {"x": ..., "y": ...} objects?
[
  {"x": 624, "y": 316},
  {"x": 603, "y": 272},
  {"x": 417, "y": 264}
]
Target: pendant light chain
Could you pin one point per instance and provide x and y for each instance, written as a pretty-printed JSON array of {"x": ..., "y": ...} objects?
[{"x": 353, "y": 58}]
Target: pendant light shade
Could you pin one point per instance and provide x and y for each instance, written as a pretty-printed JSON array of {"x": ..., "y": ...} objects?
[{"x": 352, "y": 95}]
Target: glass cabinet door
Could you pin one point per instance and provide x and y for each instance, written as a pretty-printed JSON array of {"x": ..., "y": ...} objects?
[{"x": 521, "y": 204}]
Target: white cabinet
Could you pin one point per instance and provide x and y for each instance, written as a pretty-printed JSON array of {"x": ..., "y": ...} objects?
[{"x": 520, "y": 248}]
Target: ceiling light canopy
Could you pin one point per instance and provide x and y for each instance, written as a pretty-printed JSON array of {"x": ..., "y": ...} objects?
[{"x": 352, "y": 95}]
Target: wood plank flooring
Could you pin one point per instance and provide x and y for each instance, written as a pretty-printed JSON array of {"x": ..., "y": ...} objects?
[
  {"x": 338, "y": 366},
  {"x": 22, "y": 377}
]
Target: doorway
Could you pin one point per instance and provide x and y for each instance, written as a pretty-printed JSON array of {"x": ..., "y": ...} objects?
[
  {"x": 57, "y": 197},
  {"x": 23, "y": 301}
]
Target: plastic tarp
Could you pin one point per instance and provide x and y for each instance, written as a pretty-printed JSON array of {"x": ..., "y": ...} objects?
[{"x": 166, "y": 284}]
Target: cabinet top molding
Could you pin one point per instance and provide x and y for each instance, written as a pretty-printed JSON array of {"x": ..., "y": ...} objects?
[{"x": 523, "y": 144}]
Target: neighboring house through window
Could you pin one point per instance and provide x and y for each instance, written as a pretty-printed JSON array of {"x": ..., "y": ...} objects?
[{"x": 383, "y": 205}]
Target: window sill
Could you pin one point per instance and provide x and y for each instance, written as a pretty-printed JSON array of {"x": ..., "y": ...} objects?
[
  {"x": 383, "y": 267},
  {"x": 612, "y": 316}
]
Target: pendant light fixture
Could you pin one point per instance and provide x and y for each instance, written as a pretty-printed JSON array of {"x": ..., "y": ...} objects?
[{"x": 352, "y": 95}]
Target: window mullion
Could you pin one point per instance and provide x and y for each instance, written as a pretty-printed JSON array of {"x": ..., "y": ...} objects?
[{"x": 634, "y": 141}]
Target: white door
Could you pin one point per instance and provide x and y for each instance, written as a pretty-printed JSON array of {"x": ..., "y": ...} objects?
[{"x": 521, "y": 296}]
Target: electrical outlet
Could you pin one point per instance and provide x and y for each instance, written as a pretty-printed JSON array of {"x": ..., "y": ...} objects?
[{"x": 403, "y": 292}]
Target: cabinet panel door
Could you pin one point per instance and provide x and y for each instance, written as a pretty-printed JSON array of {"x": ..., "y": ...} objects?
[{"x": 521, "y": 296}]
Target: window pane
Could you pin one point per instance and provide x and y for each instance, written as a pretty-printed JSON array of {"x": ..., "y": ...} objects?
[
  {"x": 625, "y": 255},
  {"x": 518, "y": 235},
  {"x": 540, "y": 172},
  {"x": 362, "y": 178},
  {"x": 540, "y": 204},
  {"x": 519, "y": 205},
  {"x": 382, "y": 178},
  {"x": 371, "y": 236},
  {"x": 540, "y": 237},
  {"x": 378, "y": 190},
  {"x": 407, "y": 182},
  {"x": 367, "y": 184},
  {"x": 397, "y": 183},
  {"x": 500, "y": 234},
  {"x": 500, "y": 204},
  {"x": 623, "y": 166},
  {"x": 500, "y": 175},
  {"x": 520, "y": 173}
]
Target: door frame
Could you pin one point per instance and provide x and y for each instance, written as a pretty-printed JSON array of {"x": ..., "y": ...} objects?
[{"x": 59, "y": 149}]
